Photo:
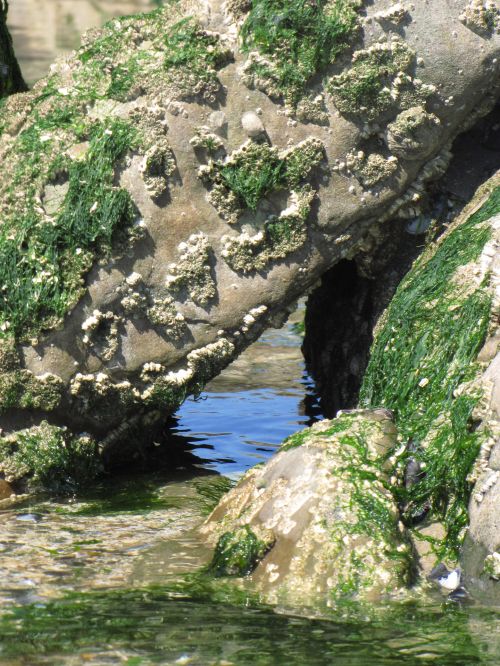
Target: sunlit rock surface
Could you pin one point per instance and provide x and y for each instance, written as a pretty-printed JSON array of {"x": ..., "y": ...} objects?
[
  {"x": 318, "y": 523},
  {"x": 172, "y": 187}
]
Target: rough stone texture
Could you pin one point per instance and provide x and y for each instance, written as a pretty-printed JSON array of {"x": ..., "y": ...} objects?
[
  {"x": 157, "y": 340},
  {"x": 323, "y": 508}
]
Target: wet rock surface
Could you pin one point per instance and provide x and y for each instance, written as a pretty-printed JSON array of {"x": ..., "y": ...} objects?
[
  {"x": 434, "y": 364},
  {"x": 189, "y": 256},
  {"x": 318, "y": 523}
]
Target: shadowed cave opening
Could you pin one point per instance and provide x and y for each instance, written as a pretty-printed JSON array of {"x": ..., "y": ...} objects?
[{"x": 342, "y": 312}]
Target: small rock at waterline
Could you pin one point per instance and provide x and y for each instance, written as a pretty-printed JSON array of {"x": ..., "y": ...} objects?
[{"x": 29, "y": 518}]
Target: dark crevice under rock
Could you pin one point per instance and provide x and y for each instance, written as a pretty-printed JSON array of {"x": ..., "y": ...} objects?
[
  {"x": 343, "y": 310},
  {"x": 340, "y": 317}
]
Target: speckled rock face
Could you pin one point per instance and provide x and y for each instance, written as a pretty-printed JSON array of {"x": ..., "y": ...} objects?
[
  {"x": 318, "y": 522},
  {"x": 172, "y": 187}
]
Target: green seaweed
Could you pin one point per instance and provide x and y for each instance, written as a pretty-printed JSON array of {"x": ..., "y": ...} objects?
[
  {"x": 366, "y": 86},
  {"x": 51, "y": 457},
  {"x": 423, "y": 353},
  {"x": 237, "y": 553},
  {"x": 302, "y": 38},
  {"x": 192, "y": 57},
  {"x": 251, "y": 185},
  {"x": 42, "y": 263}
]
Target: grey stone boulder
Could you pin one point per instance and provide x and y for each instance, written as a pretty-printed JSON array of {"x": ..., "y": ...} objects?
[
  {"x": 317, "y": 523},
  {"x": 167, "y": 192}
]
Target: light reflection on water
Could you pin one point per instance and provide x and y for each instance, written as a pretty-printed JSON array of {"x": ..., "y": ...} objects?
[{"x": 245, "y": 413}]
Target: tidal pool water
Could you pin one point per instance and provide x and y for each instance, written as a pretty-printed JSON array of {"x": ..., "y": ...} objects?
[{"x": 115, "y": 575}]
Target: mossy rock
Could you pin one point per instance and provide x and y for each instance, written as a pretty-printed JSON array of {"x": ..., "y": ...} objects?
[
  {"x": 428, "y": 372},
  {"x": 237, "y": 553},
  {"x": 140, "y": 217},
  {"x": 318, "y": 523}
]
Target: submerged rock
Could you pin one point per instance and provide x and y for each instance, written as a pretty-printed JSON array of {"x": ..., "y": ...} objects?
[
  {"x": 170, "y": 189},
  {"x": 318, "y": 522}
]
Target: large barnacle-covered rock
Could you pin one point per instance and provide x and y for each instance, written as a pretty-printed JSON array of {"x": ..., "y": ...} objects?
[{"x": 175, "y": 184}]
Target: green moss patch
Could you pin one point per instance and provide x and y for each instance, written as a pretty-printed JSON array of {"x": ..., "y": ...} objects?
[
  {"x": 192, "y": 58},
  {"x": 258, "y": 169},
  {"x": 49, "y": 457},
  {"x": 339, "y": 425},
  {"x": 378, "y": 82},
  {"x": 22, "y": 390},
  {"x": 298, "y": 40},
  {"x": 180, "y": 56},
  {"x": 42, "y": 258},
  {"x": 237, "y": 553},
  {"x": 424, "y": 352}
]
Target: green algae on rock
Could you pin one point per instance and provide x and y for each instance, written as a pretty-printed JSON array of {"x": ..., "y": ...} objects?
[
  {"x": 237, "y": 553},
  {"x": 481, "y": 16},
  {"x": 294, "y": 40},
  {"x": 180, "y": 56},
  {"x": 248, "y": 176},
  {"x": 323, "y": 513},
  {"x": 423, "y": 366},
  {"x": 50, "y": 457},
  {"x": 43, "y": 257},
  {"x": 378, "y": 82}
]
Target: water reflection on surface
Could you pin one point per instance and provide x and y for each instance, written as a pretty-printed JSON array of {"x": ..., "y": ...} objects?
[
  {"x": 162, "y": 626},
  {"x": 44, "y": 29},
  {"x": 258, "y": 401}
]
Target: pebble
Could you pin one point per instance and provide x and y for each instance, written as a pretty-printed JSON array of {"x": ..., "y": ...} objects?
[
  {"x": 252, "y": 124},
  {"x": 29, "y": 518}
]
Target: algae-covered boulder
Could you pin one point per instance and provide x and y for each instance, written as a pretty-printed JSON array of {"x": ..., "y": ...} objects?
[
  {"x": 435, "y": 364},
  {"x": 318, "y": 523},
  {"x": 322, "y": 519},
  {"x": 171, "y": 187}
]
